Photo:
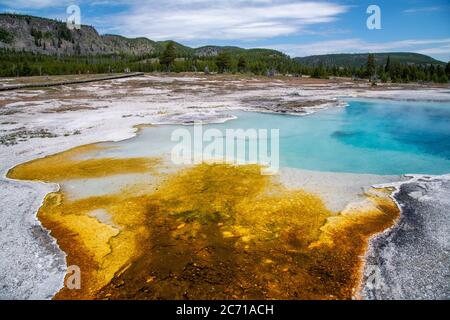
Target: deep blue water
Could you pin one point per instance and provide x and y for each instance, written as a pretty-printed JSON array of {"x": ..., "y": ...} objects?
[{"x": 377, "y": 136}]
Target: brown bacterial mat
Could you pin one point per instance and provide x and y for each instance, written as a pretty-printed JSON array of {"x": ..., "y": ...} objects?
[{"x": 213, "y": 231}]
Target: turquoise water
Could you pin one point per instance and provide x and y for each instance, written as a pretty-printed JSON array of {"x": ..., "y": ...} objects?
[{"x": 378, "y": 137}]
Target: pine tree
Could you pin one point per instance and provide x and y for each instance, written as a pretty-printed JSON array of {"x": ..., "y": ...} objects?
[
  {"x": 387, "y": 68},
  {"x": 371, "y": 65},
  {"x": 223, "y": 61},
  {"x": 26, "y": 70},
  {"x": 169, "y": 55},
  {"x": 319, "y": 72},
  {"x": 5, "y": 36},
  {"x": 242, "y": 64},
  {"x": 447, "y": 70}
]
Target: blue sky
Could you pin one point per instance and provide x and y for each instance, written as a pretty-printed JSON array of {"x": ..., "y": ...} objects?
[{"x": 296, "y": 27}]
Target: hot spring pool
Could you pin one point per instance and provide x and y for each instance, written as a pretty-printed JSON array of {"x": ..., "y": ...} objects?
[{"x": 374, "y": 136}]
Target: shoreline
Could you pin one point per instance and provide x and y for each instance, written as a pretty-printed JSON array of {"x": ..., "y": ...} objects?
[
  {"x": 130, "y": 133},
  {"x": 415, "y": 202}
]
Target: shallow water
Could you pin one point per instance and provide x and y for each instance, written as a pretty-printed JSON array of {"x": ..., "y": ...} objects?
[{"x": 376, "y": 136}]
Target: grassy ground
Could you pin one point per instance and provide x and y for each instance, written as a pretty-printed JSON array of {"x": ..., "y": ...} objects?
[{"x": 306, "y": 80}]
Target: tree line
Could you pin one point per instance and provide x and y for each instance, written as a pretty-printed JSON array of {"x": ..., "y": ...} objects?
[
  {"x": 22, "y": 63},
  {"x": 393, "y": 71}
]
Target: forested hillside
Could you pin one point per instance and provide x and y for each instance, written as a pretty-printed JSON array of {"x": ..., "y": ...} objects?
[{"x": 358, "y": 60}]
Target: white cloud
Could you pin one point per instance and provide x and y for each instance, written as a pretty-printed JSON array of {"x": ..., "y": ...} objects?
[
  {"x": 188, "y": 20},
  {"x": 33, "y": 4},
  {"x": 422, "y": 9},
  {"x": 425, "y": 46},
  {"x": 222, "y": 20},
  {"x": 444, "y": 50}
]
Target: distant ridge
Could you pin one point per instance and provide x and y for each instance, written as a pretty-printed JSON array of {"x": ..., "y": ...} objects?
[
  {"x": 360, "y": 59},
  {"x": 47, "y": 36}
]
